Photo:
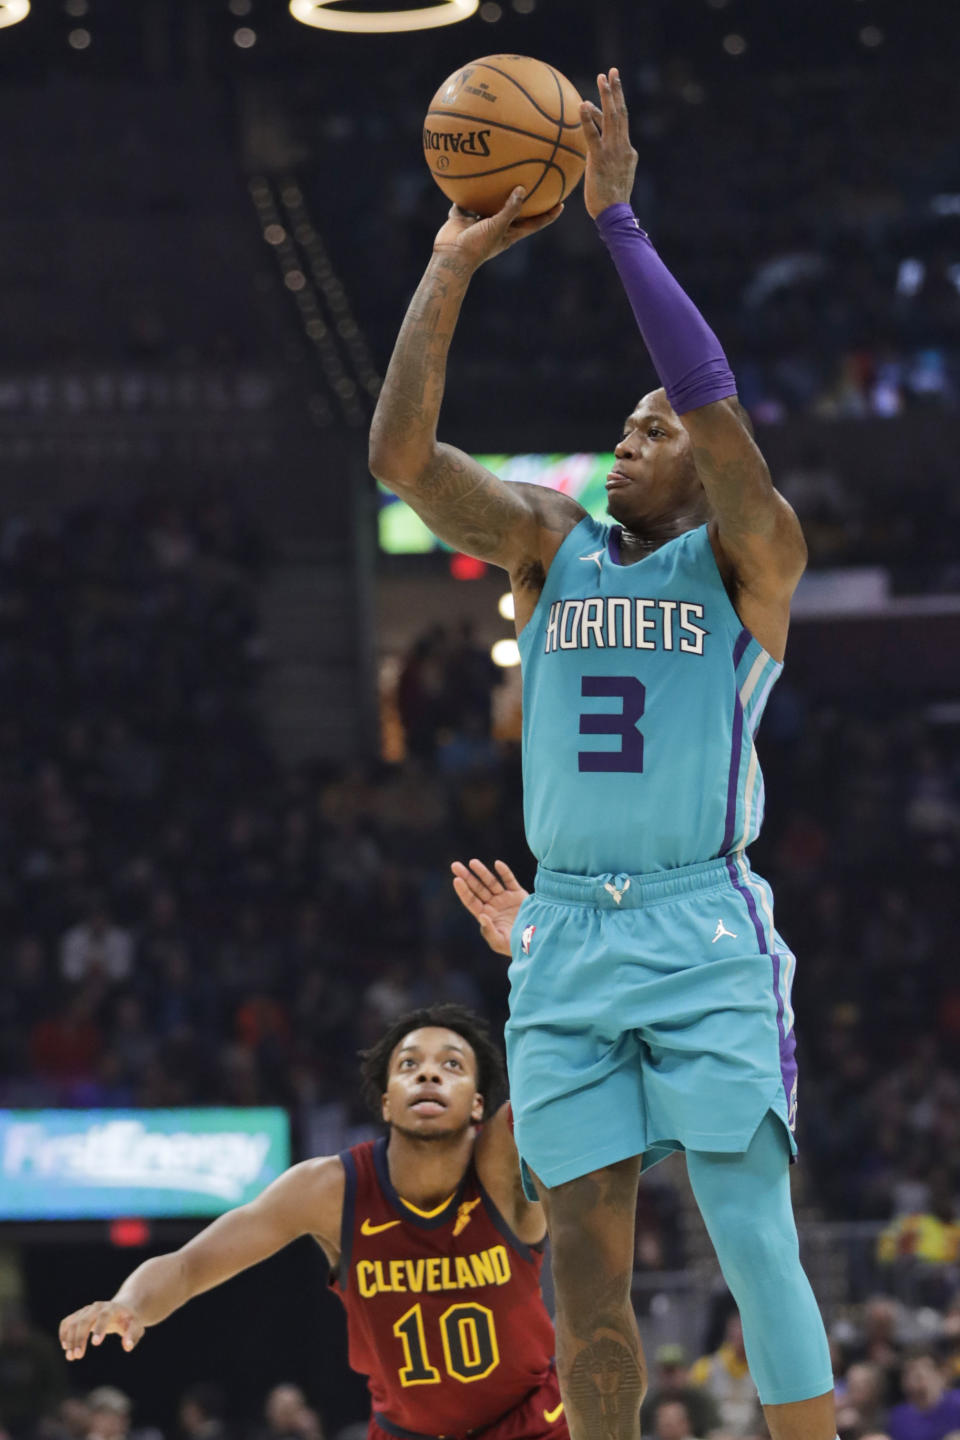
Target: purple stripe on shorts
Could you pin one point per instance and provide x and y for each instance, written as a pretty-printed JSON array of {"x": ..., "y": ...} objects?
[
  {"x": 751, "y": 906},
  {"x": 743, "y": 640},
  {"x": 788, "y": 1046},
  {"x": 736, "y": 745},
  {"x": 787, "y": 1043}
]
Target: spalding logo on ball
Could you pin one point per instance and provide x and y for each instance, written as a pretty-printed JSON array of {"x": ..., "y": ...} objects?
[{"x": 503, "y": 121}]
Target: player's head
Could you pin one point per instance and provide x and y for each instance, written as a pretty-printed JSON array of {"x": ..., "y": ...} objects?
[
  {"x": 435, "y": 1073},
  {"x": 654, "y": 479}
]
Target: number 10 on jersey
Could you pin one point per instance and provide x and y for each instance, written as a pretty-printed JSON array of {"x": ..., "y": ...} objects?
[{"x": 469, "y": 1338}]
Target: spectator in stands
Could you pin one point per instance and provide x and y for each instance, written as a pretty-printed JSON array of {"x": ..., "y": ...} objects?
[
  {"x": 32, "y": 1379},
  {"x": 67, "y": 1047},
  {"x": 928, "y": 1242},
  {"x": 471, "y": 678},
  {"x": 879, "y": 1341},
  {"x": 671, "y": 1421},
  {"x": 671, "y": 1381},
  {"x": 111, "y": 1412},
  {"x": 860, "y": 1399},
  {"x": 422, "y": 693},
  {"x": 27, "y": 985},
  {"x": 71, "y": 1421},
  {"x": 133, "y": 1043},
  {"x": 725, "y": 1377},
  {"x": 289, "y": 1417},
  {"x": 930, "y": 1410},
  {"x": 95, "y": 948},
  {"x": 200, "y": 1413},
  {"x": 950, "y": 1339}
]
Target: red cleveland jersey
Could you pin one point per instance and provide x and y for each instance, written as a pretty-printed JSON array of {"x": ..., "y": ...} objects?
[{"x": 444, "y": 1311}]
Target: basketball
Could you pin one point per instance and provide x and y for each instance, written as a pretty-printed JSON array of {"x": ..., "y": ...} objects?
[{"x": 503, "y": 121}]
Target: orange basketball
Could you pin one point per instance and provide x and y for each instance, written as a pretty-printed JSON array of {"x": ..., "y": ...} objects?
[{"x": 503, "y": 121}]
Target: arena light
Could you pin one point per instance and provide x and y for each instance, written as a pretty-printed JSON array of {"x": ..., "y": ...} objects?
[
  {"x": 319, "y": 14},
  {"x": 13, "y": 11},
  {"x": 505, "y": 653}
]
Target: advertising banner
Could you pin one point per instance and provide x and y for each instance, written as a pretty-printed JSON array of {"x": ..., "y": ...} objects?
[{"x": 99, "y": 1164}]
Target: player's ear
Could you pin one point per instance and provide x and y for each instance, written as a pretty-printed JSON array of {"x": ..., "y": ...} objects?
[
  {"x": 385, "y": 1108},
  {"x": 476, "y": 1114}
]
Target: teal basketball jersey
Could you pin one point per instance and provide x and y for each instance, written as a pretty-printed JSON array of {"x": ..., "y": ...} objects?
[{"x": 642, "y": 693}]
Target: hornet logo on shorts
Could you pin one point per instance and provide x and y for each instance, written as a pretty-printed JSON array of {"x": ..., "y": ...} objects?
[{"x": 526, "y": 935}]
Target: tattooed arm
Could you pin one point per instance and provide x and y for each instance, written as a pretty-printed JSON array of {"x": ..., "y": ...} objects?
[{"x": 519, "y": 527}]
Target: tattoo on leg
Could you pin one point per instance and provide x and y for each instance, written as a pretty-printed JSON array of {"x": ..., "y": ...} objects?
[
  {"x": 604, "y": 1389},
  {"x": 600, "y": 1307}
]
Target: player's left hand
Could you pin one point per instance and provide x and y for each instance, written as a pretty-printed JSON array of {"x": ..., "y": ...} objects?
[
  {"x": 611, "y": 159},
  {"x": 493, "y": 900}
]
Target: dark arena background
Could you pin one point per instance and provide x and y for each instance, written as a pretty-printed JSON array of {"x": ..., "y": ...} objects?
[{"x": 249, "y": 713}]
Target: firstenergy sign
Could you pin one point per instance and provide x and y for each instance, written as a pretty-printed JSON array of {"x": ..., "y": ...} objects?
[{"x": 87, "y": 1164}]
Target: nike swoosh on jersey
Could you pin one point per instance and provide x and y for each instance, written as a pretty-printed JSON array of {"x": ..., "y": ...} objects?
[
  {"x": 551, "y": 1415},
  {"x": 367, "y": 1229}
]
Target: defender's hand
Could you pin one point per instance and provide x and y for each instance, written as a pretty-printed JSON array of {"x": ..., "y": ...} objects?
[
  {"x": 93, "y": 1322},
  {"x": 611, "y": 159},
  {"x": 493, "y": 900},
  {"x": 476, "y": 240}
]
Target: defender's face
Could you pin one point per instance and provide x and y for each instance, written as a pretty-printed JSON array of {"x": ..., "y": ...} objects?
[
  {"x": 654, "y": 476},
  {"x": 432, "y": 1085}
]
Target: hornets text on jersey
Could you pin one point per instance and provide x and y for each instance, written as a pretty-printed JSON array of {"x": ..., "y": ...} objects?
[
  {"x": 642, "y": 692},
  {"x": 444, "y": 1311}
]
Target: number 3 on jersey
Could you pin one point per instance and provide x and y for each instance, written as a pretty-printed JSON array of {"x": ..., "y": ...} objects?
[
  {"x": 628, "y": 759},
  {"x": 469, "y": 1339}
]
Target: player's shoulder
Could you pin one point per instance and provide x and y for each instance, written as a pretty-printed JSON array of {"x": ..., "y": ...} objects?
[
  {"x": 586, "y": 538},
  {"x": 316, "y": 1186},
  {"x": 554, "y": 511},
  {"x": 554, "y": 516},
  {"x": 307, "y": 1199}
]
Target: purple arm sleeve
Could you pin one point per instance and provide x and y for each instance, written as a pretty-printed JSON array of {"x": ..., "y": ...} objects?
[{"x": 688, "y": 356}]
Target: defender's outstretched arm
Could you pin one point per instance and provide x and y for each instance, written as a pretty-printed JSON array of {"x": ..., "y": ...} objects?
[{"x": 307, "y": 1199}]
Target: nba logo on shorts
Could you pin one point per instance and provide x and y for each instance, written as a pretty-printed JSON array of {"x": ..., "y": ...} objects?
[
  {"x": 792, "y": 1111},
  {"x": 526, "y": 935}
]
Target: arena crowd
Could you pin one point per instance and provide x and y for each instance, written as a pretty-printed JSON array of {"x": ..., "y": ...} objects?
[{"x": 186, "y": 923}]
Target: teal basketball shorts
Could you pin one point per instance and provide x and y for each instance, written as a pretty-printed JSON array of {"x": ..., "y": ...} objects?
[{"x": 648, "y": 1013}]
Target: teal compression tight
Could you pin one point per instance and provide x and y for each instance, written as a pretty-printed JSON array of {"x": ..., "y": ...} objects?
[{"x": 745, "y": 1203}]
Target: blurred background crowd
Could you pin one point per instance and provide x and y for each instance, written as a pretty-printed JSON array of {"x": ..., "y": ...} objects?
[
  {"x": 221, "y": 872},
  {"x": 187, "y": 921}
]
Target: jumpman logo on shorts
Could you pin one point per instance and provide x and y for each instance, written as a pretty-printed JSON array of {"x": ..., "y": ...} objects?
[{"x": 721, "y": 931}]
